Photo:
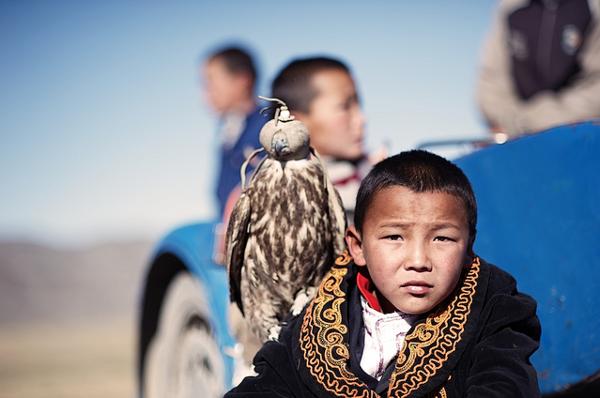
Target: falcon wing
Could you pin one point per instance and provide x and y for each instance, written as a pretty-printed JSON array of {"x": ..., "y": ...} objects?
[{"x": 237, "y": 237}]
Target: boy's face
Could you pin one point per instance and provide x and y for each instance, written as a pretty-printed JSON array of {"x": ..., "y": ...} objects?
[
  {"x": 222, "y": 89},
  {"x": 335, "y": 120},
  {"x": 414, "y": 246}
]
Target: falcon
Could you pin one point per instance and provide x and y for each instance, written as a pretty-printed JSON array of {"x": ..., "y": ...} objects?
[{"x": 285, "y": 230}]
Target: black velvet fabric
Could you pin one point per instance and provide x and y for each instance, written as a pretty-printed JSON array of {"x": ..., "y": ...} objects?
[
  {"x": 540, "y": 26},
  {"x": 491, "y": 358}
]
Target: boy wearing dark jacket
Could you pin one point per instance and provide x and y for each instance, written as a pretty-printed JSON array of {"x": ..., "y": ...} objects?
[{"x": 411, "y": 311}]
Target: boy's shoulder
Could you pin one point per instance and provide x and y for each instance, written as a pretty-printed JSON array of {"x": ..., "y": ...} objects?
[
  {"x": 498, "y": 281},
  {"x": 497, "y": 275},
  {"x": 500, "y": 297},
  {"x": 256, "y": 118}
]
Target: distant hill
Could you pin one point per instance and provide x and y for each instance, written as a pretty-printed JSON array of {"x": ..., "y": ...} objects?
[{"x": 40, "y": 283}]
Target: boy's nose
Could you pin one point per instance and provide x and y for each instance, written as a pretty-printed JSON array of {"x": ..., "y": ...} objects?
[
  {"x": 417, "y": 259},
  {"x": 359, "y": 117}
]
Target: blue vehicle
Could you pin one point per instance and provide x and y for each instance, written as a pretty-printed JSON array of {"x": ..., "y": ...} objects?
[{"x": 539, "y": 218}]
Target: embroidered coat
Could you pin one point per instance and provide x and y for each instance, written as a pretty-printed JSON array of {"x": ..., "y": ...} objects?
[{"x": 477, "y": 343}]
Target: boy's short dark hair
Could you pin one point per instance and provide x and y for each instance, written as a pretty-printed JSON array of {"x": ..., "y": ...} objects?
[
  {"x": 419, "y": 171},
  {"x": 293, "y": 84},
  {"x": 236, "y": 60}
]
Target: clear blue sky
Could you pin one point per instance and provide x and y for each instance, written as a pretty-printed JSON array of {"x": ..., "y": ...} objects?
[{"x": 104, "y": 133}]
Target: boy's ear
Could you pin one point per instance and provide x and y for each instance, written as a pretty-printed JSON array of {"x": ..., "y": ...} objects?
[{"x": 354, "y": 242}]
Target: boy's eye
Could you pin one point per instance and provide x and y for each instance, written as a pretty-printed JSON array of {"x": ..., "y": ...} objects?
[
  {"x": 443, "y": 239},
  {"x": 349, "y": 103},
  {"x": 393, "y": 237}
]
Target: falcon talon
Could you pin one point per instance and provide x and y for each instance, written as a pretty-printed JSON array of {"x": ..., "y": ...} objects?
[
  {"x": 274, "y": 333},
  {"x": 302, "y": 298}
]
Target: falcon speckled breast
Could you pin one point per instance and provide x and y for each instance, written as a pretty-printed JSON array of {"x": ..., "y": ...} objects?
[{"x": 286, "y": 228}]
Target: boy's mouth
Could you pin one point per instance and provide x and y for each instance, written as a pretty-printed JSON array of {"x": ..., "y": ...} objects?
[{"x": 417, "y": 287}]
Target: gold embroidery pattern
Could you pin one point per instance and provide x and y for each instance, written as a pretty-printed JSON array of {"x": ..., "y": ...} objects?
[
  {"x": 432, "y": 342},
  {"x": 343, "y": 259},
  {"x": 443, "y": 393},
  {"x": 322, "y": 337},
  {"x": 429, "y": 345}
]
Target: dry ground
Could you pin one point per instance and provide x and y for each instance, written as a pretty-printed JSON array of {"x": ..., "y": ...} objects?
[
  {"x": 86, "y": 360},
  {"x": 67, "y": 319}
]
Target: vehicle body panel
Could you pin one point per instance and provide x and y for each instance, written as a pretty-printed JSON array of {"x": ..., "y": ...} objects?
[{"x": 539, "y": 219}]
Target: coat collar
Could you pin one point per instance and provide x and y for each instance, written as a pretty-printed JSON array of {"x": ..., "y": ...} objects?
[{"x": 430, "y": 351}]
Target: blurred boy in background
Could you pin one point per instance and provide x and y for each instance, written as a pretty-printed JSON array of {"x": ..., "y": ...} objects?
[
  {"x": 321, "y": 93},
  {"x": 229, "y": 81}
]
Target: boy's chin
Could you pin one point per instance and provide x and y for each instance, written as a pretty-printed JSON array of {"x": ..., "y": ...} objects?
[
  {"x": 353, "y": 157},
  {"x": 388, "y": 307},
  {"x": 416, "y": 309}
]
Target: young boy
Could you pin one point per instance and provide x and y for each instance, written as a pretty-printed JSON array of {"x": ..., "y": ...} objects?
[
  {"x": 320, "y": 92},
  {"x": 414, "y": 312},
  {"x": 229, "y": 78}
]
